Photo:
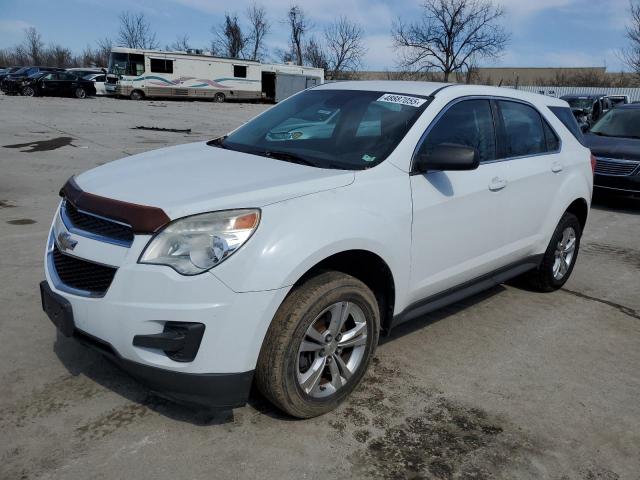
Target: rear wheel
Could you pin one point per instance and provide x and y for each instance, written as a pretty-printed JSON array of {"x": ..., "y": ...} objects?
[
  {"x": 136, "y": 95},
  {"x": 28, "y": 92},
  {"x": 560, "y": 256},
  {"x": 80, "y": 93},
  {"x": 219, "y": 97},
  {"x": 319, "y": 345}
]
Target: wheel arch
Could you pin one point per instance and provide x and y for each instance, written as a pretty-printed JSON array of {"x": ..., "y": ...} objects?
[
  {"x": 370, "y": 269},
  {"x": 580, "y": 208}
]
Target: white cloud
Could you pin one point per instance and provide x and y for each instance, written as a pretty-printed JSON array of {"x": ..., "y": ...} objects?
[{"x": 13, "y": 26}]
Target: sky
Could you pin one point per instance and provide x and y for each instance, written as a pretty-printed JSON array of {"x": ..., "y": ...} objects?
[{"x": 544, "y": 33}]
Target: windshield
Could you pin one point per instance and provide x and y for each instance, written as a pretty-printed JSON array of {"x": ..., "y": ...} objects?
[
  {"x": 581, "y": 103},
  {"x": 126, "y": 63},
  {"x": 619, "y": 122},
  {"x": 343, "y": 129}
]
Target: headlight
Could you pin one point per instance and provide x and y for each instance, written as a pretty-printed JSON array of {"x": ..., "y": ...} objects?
[{"x": 193, "y": 245}]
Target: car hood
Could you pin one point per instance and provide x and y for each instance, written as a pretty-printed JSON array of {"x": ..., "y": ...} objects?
[
  {"x": 196, "y": 178},
  {"x": 613, "y": 147}
]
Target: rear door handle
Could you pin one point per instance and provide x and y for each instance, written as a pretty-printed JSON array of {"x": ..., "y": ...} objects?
[
  {"x": 556, "y": 167},
  {"x": 497, "y": 184}
]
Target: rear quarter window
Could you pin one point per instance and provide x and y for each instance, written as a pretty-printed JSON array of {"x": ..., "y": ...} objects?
[{"x": 565, "y": 115}]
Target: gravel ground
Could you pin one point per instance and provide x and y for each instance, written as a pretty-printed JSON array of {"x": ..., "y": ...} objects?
[{"x": 508, "y": 384}]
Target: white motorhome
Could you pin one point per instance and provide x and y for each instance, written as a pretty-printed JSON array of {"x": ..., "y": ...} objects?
[{"x": 137, "y": 73}]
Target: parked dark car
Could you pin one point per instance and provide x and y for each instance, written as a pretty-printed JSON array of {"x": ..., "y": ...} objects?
[
  {"x": 588, "y": 108},
  {"x": 615, "y": 142},
  {"x": 56, "y": 84},
  {"x": 13, "y": 82},
  {"x": 5, "y": 72}
]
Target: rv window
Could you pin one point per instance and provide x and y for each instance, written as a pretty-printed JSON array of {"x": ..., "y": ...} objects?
[
  {"x": 161, "y": 65},
  {"x": 240, "y": 71}
]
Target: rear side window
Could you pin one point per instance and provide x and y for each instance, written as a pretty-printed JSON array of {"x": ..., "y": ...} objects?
[
  {"x": 161, "y": 66},
  {"x": 565, "y": 115},
  {"x": 553, "y": 142},
  {"x": 523, "y": 130},
  {"x": 467, "y": 123}
]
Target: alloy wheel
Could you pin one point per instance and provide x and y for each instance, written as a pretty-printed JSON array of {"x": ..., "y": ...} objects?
[
  {"x": 565, "y": 251},
  {"x": 332, "y": 349}
]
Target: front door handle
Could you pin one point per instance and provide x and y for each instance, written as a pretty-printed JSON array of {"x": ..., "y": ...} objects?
[
  {"x": 497, "y": 184},
  {"x": 556, "y": 167}
]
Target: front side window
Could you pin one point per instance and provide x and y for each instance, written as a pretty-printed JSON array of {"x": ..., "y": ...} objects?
[
  {"x": 160, "y": 65},
  {"x": 523, "y": 130},
  {"x": 468, "y": 123},
  {"x": 341, "y": 129}
]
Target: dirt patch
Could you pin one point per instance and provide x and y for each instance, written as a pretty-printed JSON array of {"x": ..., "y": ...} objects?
[
  {"x": 399, "y": 430},
  {"x": 111, "y": 421},
  {"x": 50, "y": 399},
  {"x": 43, "y": 145},
  {"x": 627, "y": 256},
  {"x": 21, "y": 221}
]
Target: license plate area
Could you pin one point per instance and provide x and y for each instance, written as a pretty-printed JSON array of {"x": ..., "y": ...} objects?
[{"x": 58, "y": 309}]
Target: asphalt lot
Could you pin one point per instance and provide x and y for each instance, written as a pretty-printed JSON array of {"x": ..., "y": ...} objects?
[{"x": 509, "y": 384}]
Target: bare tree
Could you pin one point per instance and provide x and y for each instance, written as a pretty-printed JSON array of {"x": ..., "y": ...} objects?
[
  {"x": 103, "y": 52},
  {"x": 260, "y": 27},
  {"x": 345, "y": 47},
  {"x": 58, "y": 56},
  {"x": 297, "y": 20},
  {"x": 135, "y": 31},
  {"x": 181, "y": 44},
  {"x": 450, "y": 34},
  {"x": 314, "y": 55},
  {"x": 229, "y": 41},
  {"x": 631, "y": 55},
  {"x": 33, "y": 46}
]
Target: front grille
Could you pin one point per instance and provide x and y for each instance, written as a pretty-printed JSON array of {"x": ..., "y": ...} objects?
[
  {"x": 101, "y": 227},
  {"x": 82, "y": 274},
  {"x": 610, "y": 166}
]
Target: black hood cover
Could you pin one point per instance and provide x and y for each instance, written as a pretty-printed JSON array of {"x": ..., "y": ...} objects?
[{"x": 613, "y": 147}]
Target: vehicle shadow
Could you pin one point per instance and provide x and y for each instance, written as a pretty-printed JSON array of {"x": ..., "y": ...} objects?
[
  {"x": 79, "y": 360},
  {"x": 612, "y": 202},
  {"x": 441, "y": 314}
]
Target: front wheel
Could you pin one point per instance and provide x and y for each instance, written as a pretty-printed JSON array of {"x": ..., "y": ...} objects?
[
  {"x": 136, "y": 95},
  {"x": 319, "y": 345},
  {"x": 219, "y": 97},
  {"x": 80, "y": 93},
  {"x": 28, "y": 92},
  {"x": 560, "y": 257}
]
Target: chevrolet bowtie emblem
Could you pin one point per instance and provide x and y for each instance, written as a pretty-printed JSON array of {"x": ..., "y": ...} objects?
[{"x": 65, "y": 242}]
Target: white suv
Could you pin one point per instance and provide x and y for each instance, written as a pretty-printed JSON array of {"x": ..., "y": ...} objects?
[{"x": 279, "y": 253}]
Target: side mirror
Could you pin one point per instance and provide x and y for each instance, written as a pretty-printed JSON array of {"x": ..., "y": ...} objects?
[
  {"x": 584, "y": 127},
  {"x": 448, "y": 157}
]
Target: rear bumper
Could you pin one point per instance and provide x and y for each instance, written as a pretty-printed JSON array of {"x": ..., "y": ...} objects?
[
  {"x": 208, "y": 390},
  {"x": 630, "y": 183}
]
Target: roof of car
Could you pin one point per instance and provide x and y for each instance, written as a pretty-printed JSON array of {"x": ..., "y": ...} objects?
[
  {"x": 629, "y": 106},
  {"x": 430, "y": 88}
]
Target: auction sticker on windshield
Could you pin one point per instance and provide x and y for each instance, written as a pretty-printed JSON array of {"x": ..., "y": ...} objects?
[{"x": 402, "y": 100}]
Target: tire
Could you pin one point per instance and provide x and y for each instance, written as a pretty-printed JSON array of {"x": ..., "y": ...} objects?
[
  {"x": 282, "y": 365},
  {"x": 80, "y": 93},
  {"x": 555, "y": 268},
  {"x": 136, "y": 95},
  {"x": 28, "y": 92},
  {"x": 219, "y": 97}
]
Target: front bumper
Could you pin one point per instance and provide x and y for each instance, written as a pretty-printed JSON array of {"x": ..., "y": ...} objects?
[
  {"x": 143, "y": 299},
  {"x": 628, "y": 183}
]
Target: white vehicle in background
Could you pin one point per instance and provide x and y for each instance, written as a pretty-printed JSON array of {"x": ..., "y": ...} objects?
[
  {"x": 137, "y": 73},
  {"x": 206, "y": 267},
  {"x": 99, "y": 80}
]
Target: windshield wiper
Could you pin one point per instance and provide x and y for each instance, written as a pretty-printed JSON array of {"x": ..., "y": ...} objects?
[
  {"x": 287, "y": 157},
  {"x": 217, "y": 142}
]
